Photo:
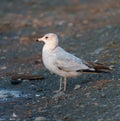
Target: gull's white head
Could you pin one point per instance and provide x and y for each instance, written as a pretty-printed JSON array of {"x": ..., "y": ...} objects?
[{"x": 50, "y": 39}]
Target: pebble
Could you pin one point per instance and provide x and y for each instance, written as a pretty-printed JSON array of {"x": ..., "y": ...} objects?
[
  {"x": 3, "y": 68},
  {"x": 100, "y": 120},
  {"x": 60, "y": 94},
  {"x": 102, "y": 95},
  {"x": 43, "y": 111},
  {"x": 97, "y": 51},
  {"x": 68, "y": 117},
  {"x": 59, "y": 120},
  {"x": 38, "y": 95},
  {"x": 70, "y": 24},
  {"x": 3, "y": 58},
  {"x": 40, "y": 119},
  {"x": 85, "y": 21},
  {"x": 15, "y": 82},
  {"x": 77, "y": 86},
  {"x": 57, "y": 106},
  {"x": 14, "y": 115},
  {"x": 60, "y": 23}
]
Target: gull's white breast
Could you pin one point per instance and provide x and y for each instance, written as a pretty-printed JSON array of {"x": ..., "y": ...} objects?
[{"x": 48, "y": 57}]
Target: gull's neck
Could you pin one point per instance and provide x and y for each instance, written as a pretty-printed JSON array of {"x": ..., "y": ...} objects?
[{"x": 50, "y": 46}]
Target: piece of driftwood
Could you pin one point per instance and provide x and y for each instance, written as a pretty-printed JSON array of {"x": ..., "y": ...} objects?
[{"x": 26, "y": 77}]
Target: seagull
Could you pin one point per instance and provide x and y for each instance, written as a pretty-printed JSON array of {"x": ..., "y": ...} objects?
[{"x": 64, "y": 64}]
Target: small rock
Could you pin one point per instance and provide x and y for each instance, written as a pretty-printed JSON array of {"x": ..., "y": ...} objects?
[
  {"x": 70, "y": 24},
  {"x": 97, "y": 51},
  {"x": 77, "y": 86},
  {"x": 60, "y": 94},
  {"x": 85, "y": 21},
  {"x": 3, "y": 68},
  {"x": 68, "y": 117},
  {"x": 57, "y": 106},
  {"x": 40, "y": 119},
  {"x": 3, "y": 58},
  {"x": 87, "y": 94},
  {"x": 40, "y": 94},
  {"x": 60, "y": 23},
  {"x": 100, "y": 120},
  {"x": 15, "y": 82},
  {"x": 14, "y": 115},
  {"x": 95, "y": 104},
  {"x": 78, "y": 35},
  {"x": 102, "y": 95},
  {"x": 111, "y": 66},
  {"x": 43, "y": 111},
  {"x": 59, "y": 120},
  {"x": 12, "y": 119}
]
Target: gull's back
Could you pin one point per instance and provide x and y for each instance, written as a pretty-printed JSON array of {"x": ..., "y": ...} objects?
[{"x": 67, "y": 61}]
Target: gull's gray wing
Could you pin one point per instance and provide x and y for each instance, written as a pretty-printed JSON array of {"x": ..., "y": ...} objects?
[{"x": 68, "y": 62}]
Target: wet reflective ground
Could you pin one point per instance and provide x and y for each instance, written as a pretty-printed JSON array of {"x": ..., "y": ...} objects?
[{"x": 90, "y": 29}]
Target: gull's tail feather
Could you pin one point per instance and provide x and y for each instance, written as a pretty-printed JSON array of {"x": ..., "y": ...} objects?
[{"x": 97, "y": 68}]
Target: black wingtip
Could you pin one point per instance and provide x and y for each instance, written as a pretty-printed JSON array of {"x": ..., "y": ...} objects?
[{"x": 95, "y": 71}]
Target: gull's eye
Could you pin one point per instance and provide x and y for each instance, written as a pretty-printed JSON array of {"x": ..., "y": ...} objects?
[{"x": 46, "y": 37}]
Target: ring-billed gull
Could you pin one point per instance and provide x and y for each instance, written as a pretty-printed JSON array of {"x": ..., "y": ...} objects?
[{"x": 64, "y": 64}]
